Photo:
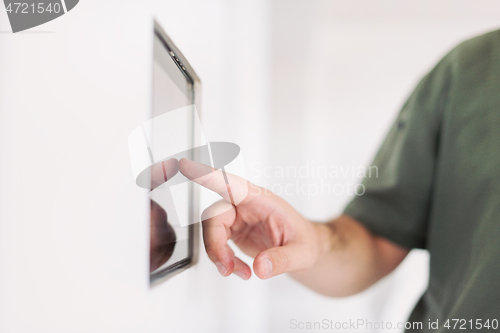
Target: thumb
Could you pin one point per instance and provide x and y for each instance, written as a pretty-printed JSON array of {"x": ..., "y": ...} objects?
[{"x": 281, "y": 259}]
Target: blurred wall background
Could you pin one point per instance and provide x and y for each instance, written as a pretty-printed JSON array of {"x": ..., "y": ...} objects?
[{"x": 297, "y": 84}]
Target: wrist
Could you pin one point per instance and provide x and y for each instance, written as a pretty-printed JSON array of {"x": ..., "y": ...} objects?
[
  {"x": 324, "y": 235},
  {"x": 318, "y": 246}
]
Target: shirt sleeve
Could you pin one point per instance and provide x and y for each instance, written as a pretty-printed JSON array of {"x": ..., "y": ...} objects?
[{"x": 397, "y": 194}]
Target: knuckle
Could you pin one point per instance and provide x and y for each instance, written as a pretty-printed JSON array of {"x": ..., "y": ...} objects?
[
  {"x": 282, "y": 259},
  {"x": 211, "y": 250}
]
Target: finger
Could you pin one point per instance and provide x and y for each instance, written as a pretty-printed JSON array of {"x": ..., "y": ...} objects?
[
  {"x": 232, "y": 188},
  {"x": 241, "y": 269},
  {"x": 281, "y": 259},
  {"x": 216, "y": 232}
]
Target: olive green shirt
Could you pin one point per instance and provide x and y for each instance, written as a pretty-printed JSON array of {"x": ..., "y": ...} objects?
[{"x": 438, "y": 186}]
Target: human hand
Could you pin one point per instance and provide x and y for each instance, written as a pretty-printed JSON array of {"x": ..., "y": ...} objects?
[{"x": 262, "y": 225}]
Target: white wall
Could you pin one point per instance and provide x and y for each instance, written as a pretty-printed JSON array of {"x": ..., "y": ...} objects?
[
  {"x": 73, "y": 225},
  {"x": 289, "y": 81}
]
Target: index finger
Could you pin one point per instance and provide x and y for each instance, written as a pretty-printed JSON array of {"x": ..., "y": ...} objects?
[{"x": 231, "y": 188}]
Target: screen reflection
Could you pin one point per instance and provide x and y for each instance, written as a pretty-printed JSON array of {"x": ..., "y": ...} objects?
[{"x": 162, "y": 234}]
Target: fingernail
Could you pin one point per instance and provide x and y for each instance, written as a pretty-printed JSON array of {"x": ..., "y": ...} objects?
[
  {"x": 267, "y": 267},
  {"x": 241, "y": 275},
  {"x": 221, "y": 268}
]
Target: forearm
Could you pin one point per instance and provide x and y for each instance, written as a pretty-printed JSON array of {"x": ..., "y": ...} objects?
[{"x": 350, "y": 258}]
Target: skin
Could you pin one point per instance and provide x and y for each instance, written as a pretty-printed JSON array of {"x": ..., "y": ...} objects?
[{"x": 338, "y": 258}]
